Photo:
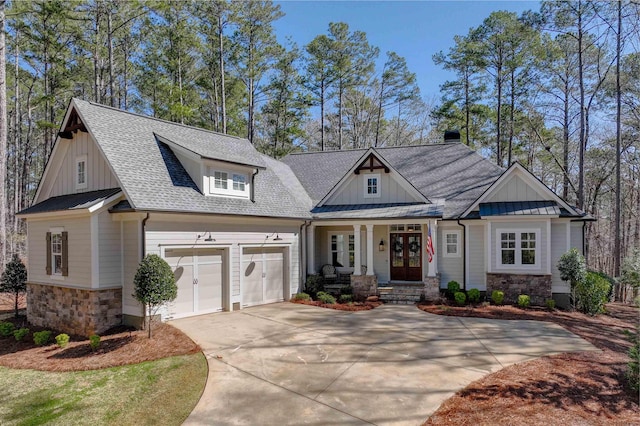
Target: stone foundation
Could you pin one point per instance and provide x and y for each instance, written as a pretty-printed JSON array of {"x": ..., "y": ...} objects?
[
  {"x": 74, "y": 310},
  {"x": 432, "y": 288},
  {"x": 538, "y": 287},
  {"x": 364, "y": 286}
]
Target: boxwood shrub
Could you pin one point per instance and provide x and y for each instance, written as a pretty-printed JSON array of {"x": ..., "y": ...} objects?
[
  {"x": 41, "y": 338},
  {"x": 460, "y": 297},
  {"x": 20, "y": 333},
  {"x": 497, "y": 297},
  {"x": 524, "y": 301},
  {"x": 6, "y": 328},
  {"x": 325, "y": 298},
  {"x": 473, "y": 295}
]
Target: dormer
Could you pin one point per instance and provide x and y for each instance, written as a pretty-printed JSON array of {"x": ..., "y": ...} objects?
[{"x": 212, "y": 172}]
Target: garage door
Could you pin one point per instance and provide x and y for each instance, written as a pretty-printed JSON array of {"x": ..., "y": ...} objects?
[
  {"x": 262, "y": 276},
  {"x": 199, "y": 277}
]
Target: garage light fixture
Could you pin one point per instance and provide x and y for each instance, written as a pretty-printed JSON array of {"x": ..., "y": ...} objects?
[
  {"x": 208, "y": 239},
  {"x": 277, "y": 238}
]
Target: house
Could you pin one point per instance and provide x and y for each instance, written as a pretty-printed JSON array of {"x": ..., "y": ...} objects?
[{"x": 240, "y": 228}]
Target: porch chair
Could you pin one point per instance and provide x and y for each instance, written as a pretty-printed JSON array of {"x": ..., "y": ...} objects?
[{"x": 329, "y": 272}]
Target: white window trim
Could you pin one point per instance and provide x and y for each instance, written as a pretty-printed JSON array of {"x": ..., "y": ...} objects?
[
  {"x": 444, "y": 243},
  {"x": 55, "y": 275},
  {"x": 366, "y": 178},
  {"x": 229, "y": 191},
  {"x": 329, "y": 251},
  {"x": 81, "y": 159},
  {"x": 518, "y": 249}
]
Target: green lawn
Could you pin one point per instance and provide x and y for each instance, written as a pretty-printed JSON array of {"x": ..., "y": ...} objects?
[{"x": 156, "y": 392}]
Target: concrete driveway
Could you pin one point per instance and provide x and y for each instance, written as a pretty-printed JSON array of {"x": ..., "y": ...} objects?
[{"x": 289, "y": 364}]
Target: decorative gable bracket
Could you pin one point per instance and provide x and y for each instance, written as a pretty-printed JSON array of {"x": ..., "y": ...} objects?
[
  {"x": 74, "y": 123},
  {"x": 371, "y": 163}
]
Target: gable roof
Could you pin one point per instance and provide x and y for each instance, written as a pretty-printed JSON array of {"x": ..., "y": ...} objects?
[
  {"x": 449, "y": 171},
  {"x": 154, "y": 180}
]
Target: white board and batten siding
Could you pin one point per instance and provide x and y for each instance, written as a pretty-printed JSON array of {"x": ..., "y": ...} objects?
[
  {"x": 131, "y": 250},
  {"x": 79, "y": 234},
  {"x": 354, "y": 189},
  {"x": 451, "y": 268},
  {"x": 515, "y": 189},
  {"x": 109, "y": 246},
  {"x": 559, "y": 246},
  {"x": 99, "y": 174}
]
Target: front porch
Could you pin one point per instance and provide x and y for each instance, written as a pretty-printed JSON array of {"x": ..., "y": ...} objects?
[{"x": 389, "y": 258}]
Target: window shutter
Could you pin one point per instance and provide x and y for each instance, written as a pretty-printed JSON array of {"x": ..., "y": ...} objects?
[
  {"x": 48, "y": 253},
  {"x": 65, "y": 254}
]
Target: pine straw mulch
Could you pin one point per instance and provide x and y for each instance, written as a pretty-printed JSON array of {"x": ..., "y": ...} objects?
[
  {"x": 119, "y": 346},
  {"x": 351, "y": 307},
  {"x": 571, "y": 388},
  {"x": 7, "y": 304}
]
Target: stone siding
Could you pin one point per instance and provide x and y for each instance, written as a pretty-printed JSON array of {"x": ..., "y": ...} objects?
[
  {"x": 364, "y": 286},
  {"x": 432, "y": 288},
  {"x": 74, "y": 310},
  {"x": 538, "y": 287}
]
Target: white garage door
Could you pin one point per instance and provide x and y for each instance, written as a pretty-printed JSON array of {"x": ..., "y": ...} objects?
[
  {"x": 262, "y": 276},
  {"x": 199, "y": 276}
]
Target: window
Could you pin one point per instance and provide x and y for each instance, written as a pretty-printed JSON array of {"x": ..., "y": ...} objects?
[
  {"x": 57, "y": 252},
  {"x": 451, "y": 244},
  {"x": 238, "y": 182},
  {"x": 518, "y": 248},
  {"x": 412, "y": 227},
  {"x": 81, "y": 172},
  {"x": 342, "y": 248},
  {"x": 220, "y": 180},
  {"x": 371, "y": 186}
]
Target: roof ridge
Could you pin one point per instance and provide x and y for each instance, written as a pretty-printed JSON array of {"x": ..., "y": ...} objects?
[{"x": 160, "y": 119}]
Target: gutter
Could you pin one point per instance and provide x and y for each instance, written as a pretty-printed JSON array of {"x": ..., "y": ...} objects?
[
  {"x": 464, "y": 255},
  {"x": 253, "y": 186}
]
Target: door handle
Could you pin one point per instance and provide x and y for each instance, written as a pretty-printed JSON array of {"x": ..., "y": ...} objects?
[{"x": 195, "y": 281}]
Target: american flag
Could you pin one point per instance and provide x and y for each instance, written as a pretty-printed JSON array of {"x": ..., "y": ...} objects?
[{"x": 430, "y": 249}]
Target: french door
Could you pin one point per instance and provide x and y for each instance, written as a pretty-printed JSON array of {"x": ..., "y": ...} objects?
[{"x": 406, "y": 256}]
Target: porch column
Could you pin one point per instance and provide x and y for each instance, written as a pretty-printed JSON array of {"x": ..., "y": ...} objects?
[
  {"x": 311, "y": 252},
  {"x": 433, "y": 266},
  {"x": 357, "y": 261},
  {"x": 370, "y": 270}
]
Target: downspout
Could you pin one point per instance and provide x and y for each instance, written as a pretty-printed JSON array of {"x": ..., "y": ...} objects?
[
  {"x": 464, "y": 255},
  {"x": 303, "y": 254},
  {"x": 584, "y": 240},
  {"x": 144, "y": 238},
  {"x": 253, "y": 186}
]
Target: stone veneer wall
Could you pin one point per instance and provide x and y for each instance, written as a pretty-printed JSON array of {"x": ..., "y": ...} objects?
[
  {"x": 74, "y": 310},
  {"x": 364, "y": 285},
  {"x": 432, "y": 287},
  {"x": 538, "y": 287}
]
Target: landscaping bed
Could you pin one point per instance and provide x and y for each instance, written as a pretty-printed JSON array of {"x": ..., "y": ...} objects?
[
  {"x": 571, "y": 388},
  {"x": 351, "y": 306}
]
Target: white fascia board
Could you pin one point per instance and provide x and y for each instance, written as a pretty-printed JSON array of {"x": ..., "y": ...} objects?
[
  {"x": 175, "y": 147},
  {"x": 105, "y": 204}
]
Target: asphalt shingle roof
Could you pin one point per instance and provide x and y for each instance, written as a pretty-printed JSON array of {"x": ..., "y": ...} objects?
[
  {"x": 449, "y": 171},
  {"x": 83, "y": 200},
  {"x": 516, "y": 208},
  {"x": 153, "y": 179}
]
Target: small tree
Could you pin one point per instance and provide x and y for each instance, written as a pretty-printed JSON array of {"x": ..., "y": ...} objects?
[
  {"x": 14, "y": 279},
  {"x": 155, "y": 285},
  {"x": 573, "y": 268}
]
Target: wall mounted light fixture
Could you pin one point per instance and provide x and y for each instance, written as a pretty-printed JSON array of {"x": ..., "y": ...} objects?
[
  {"x": 277, "y": 236},
  {"x": 381, "y": 246},
  {"x": 208, "y": 239}
]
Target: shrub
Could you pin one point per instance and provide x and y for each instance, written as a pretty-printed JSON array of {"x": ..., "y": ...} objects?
[
  {"x": 452, "y": 288},
  {"x": 326, "y": 298},
  {"x": 62, "y": 340},
  {"x": 524, "y": 301},
  {"x": 6, "y": 328},
  {"x": 346, "y": 298},
  {"x": 550, "y": 304},
  {"x": 154, "y": 284},
  {"x": 591, "y": 294},
  {"x": 20, "y": 333},
  {"x": 460, "y": 297},
  {"x": 41, "y": 338},
  {"x": 94, "y": 342},
  {"x": 346, "y": 289},
  {"x": 314, "y": 285},
  {"x": 497, "y": 297},
  {"x": 633, "y": 367},
  {"x": 301, "y": 296},
  {"x": 610, "y": 280},
  {"x": 14, "y": 280},
  {"x": 473, "y": 295}
]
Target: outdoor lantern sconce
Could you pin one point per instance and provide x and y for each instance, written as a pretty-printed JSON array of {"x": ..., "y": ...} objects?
[
  {"x": 208, "y": 239},
  {"x": 381, "y": 246},
  {"x": 277, "y": 238}
]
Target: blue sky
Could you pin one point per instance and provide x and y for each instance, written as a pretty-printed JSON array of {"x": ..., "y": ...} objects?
[{"x": 413, "y": 29}]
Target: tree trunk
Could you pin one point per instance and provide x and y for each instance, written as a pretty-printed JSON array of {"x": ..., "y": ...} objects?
[
  {"x": 322, "y": 88},
  {"x": 340, "y": 90},
  {"x": 110, "y": 47},
  {"x": 616, "y": 232},
  {"x": 3, "y": 138},
  {"x": 511, "y": 117},
  {"x": 467, "y": 108},
  {"x": 582, "y": 147},
  {"x": 565, "y": 141},
  {"x": 223, "y": 95},
  {"x": 379, "y": 113}
]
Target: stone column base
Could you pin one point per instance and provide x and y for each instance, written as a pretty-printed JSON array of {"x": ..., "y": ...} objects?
[
  {"x": 432, "y": 288},
  {"x": 74, "y": 310},
  {"x": 364, "y": 286},
  {"x": 537, "y": 287}
]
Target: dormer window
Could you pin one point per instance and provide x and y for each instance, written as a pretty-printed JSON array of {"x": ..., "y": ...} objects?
[
  {"x": 371, "y": 185},
  {"x": 81, "y": 172},
  {"x": 229, "y": 183}
]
